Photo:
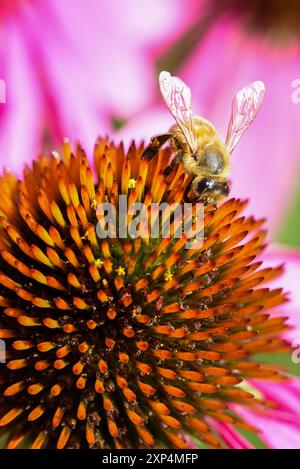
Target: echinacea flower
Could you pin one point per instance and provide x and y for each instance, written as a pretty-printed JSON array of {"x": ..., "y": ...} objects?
[
  {"x": 127, "y": 342},
  {"x": 232, "y": 43}
]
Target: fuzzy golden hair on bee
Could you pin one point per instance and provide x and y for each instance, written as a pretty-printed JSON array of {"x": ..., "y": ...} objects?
[{"x": 196, "y": 144}]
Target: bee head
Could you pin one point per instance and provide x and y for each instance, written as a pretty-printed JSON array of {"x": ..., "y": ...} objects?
[{"x": 211, "y": 188}]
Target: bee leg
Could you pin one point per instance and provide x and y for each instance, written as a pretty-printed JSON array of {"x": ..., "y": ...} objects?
[
  {"x": 175, "y": 161},
  {"x": 155, "y": 144},
  {"x": 187, "y": 189}
]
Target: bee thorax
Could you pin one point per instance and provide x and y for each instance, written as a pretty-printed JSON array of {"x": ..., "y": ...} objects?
[{"x": 213, "y": 159}]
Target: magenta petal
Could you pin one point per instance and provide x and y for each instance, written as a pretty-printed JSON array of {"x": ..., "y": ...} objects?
[
  {"x": 231, "y": 437},
  {"x": 82, "y": 64},
  {"x": 155, "y": 120},
  {"x": 290, "y": 282},
  {"x": 265, "y": 161},
  {"x": 286, "y": 395},
  {"x": 20, "y": 124},
  {"x": 279, "y": 427}
]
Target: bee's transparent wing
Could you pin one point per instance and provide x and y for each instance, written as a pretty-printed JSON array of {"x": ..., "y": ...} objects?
[
  {"x": 178, "y": 98},
  {"x": 245, "y": 107}
]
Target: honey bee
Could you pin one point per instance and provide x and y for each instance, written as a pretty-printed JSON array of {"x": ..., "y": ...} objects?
[{"x": 196, "y": 143}]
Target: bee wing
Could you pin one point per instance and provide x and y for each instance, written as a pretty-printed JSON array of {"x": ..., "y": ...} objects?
[
  {"x": 178, "y": 98},
  {"x": 245, "y": 107}
]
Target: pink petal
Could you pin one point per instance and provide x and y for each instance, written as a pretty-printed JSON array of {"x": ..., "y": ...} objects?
[
  {"x": 280, "y": 427},
  {"x": 264, "y": 163},
  {"x": 99, "y": 67},
  {"x": 277, "y": 255},
  {"x": 231, "y": 437},
  {"x": 20, "y": 124},
  {"x": 275, "y": 433}
]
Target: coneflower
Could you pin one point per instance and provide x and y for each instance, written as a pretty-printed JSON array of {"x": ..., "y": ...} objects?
[{"x": 116, "y": 343}]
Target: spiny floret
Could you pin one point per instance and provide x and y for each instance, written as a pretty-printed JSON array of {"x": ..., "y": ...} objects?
[{"x": 124, "y": 342}]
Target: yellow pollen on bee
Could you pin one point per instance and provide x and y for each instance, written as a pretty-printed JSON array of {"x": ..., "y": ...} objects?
[
  {"x": 120, "y": 271},
  {"x": 168, "y": 275},
  {"x": 99, "y": 263},
  {"x": 131, "y": 183}
]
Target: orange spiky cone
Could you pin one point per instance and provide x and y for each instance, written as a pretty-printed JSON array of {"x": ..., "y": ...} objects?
[{"x": 116, "y": 343}]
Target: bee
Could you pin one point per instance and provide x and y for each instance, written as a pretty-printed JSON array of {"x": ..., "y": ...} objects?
[{"x": 196, "y": 143}]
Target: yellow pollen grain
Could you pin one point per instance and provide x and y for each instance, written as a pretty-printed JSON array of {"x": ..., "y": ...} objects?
[
  {"x": 120, "y": 271},
  {"x": 94, "y": 203},
  {"x": 104, "y": 281},
  {"x": 168, "y": 275},
  {"x": 131, "y": 183},
  {"x": 136, "y": 311}
]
